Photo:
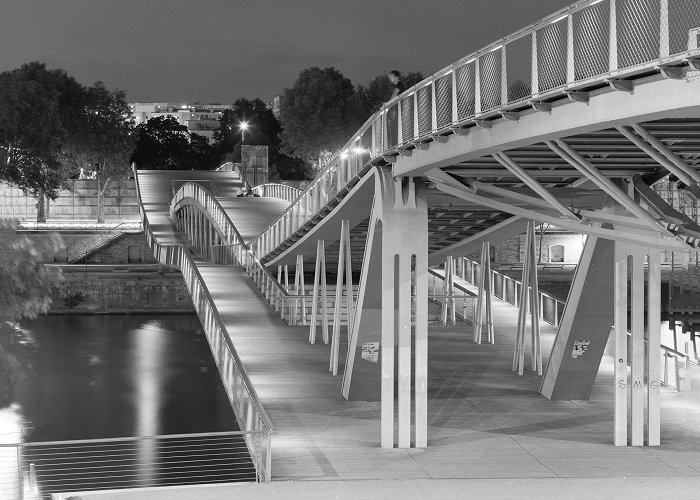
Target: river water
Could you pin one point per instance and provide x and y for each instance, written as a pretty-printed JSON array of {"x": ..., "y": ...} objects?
[
  {"x": 103, "y": 376},
  {"x": 112, "y": 376}
]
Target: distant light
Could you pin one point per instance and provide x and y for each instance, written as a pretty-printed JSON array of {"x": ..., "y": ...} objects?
[{"x": 243, "y": 125}]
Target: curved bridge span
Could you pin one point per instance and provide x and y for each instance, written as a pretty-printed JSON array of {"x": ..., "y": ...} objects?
[{"x": 568, "y": 122}]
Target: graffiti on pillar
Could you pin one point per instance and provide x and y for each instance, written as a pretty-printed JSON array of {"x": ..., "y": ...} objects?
[
  {"x": 370, "y": 351},
  {"x": 580, "y": 347}
]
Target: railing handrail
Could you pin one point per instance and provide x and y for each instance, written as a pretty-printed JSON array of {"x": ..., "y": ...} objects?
[
  {"x": 260, "y": 189},
  {"x": 129, "y": 438},
  {"x": 90, "y": 247},
  {"x": 493, "y": 271},
  {"x": 458, "y": 286},
  {"x": 266, "y": 421},
  {"x": 180, "y": 196}
]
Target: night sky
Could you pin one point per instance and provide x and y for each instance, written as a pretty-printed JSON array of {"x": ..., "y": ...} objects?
[{"x": 220, "y": 50}]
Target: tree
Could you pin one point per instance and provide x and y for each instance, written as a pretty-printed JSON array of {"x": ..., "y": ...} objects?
[
  {"x": 24, "y": 293},
  {"x": 319, "y": 113},
  {"x": 264, "y": 130},
  {"x": 38, "y": 109},
  {"x": 162, "y": 143},
  {"x": 104, "y": 139},
  {"x": 380, "y": 89}
]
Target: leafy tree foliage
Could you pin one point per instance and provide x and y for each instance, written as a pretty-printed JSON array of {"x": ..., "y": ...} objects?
[
  {"x": 322, "y": 110},
  {"x": 380, "y": 89},
  {"x": 51, "y": 125},
  {"x": 264, "y": 130},
  {"x": 164, "y": 144},
  {"x": 319, "y": 113},
  {"x": 104, "y": 139},
  {"x": 24, "y": 293},
  {"x": 38, "y": 110}
]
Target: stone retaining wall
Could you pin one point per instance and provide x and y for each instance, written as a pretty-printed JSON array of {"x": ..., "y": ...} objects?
[{"x": 119, "y": 291}]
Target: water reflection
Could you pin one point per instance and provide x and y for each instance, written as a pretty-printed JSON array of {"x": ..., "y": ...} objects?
[
  {"x": 87, "y": 377},
  {"x": 148, "y": 380}
]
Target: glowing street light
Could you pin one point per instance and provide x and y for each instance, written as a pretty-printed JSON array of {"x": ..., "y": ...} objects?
[{"x": 243, "y": 126}]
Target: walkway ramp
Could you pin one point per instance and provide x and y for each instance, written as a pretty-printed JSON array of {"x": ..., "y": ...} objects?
[{"x": 251, "y": 215}]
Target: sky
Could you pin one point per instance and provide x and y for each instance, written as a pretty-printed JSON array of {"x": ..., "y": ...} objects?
[{"x": 221, "y": 50}]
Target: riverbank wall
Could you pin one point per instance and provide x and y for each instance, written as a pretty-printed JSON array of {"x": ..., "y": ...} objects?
[{"x": 118, "y": 289}]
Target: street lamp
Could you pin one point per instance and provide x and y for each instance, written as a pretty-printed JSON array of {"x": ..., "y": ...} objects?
[{"x": 243, "y": 126}]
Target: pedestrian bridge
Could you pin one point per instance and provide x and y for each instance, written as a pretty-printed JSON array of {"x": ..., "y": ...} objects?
[{"x": 567, "y": 122}]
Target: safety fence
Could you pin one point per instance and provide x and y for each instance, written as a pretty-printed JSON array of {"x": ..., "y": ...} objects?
[
  {"x": 590, "y": 43},
  {"x": 281, "y": 191},
  {"x": 509, "y": 290},
  {"x": 39, "y": 469},
  {"x": 455, "y": 300},
  {"x": 245, "y": 402},
  {"x": 674, "y": 363}
]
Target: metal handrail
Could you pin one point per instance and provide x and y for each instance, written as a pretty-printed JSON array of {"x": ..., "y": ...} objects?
[
  {"x": 216, "y": 213},
  {"x": 274, "y": 292},
  {"x": 46, "y": 467},
  {"x": 547, "y": 61},
  {"x": 176, "y": 255},
  {"x": 277, "y": 190},
  {"x": 93, "y": 244},
  {"x": 558, "y": 304}
]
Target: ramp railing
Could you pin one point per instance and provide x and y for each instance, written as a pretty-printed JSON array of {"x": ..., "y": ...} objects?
[
  {"x": 244, "y": 400},
  {"x": 281, "y": 191}
]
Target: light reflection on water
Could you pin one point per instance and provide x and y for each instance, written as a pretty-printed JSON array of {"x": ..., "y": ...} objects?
[{"x": 90, "y": 377}]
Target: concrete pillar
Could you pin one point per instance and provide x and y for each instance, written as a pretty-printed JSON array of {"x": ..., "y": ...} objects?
[
  {"x": 383, "y": 337},
  {"x": 584, "y": 328},
  {"x": 641, "y": 343}
]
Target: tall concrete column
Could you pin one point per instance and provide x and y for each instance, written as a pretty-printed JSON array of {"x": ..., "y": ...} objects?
[{"x": 385, "y": 347}]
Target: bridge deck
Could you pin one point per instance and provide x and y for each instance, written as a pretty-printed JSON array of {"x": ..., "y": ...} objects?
[{"x": 484, "y": 421}]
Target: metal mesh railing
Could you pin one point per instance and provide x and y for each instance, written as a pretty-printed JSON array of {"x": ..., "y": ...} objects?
[
  {"x": 425, "y": 110},
  {"x": 392, "y": 125},
  {"x": 552, "y": 55},
  {"x": 638, "y": 31},
  {"x": 407, "y": 118},
  {"x": 591, "y": 33},
  {"x": 443, "y": 101},
  {"x": 519, "y": 68},
  {"x": 683, "y": 24},
  {"x": 490, "y": 80},
  {"x": 466, "y": 90},
  {"x": 588, "y": 42}
]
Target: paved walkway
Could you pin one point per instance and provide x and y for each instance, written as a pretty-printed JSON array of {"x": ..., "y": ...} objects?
[{"x": 485, "y": 422}]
